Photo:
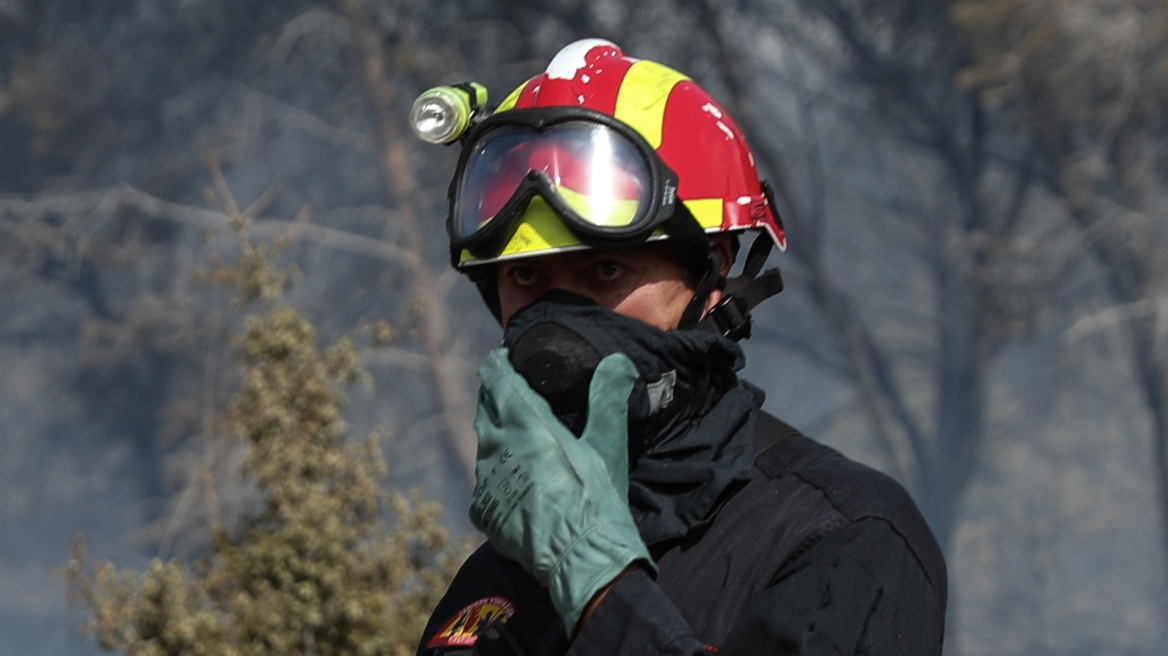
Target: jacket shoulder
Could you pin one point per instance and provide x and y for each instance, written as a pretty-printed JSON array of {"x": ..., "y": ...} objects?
[{"x": 851, "y": 491}]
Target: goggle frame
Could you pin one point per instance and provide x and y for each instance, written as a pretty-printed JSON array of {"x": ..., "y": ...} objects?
[{"x": 492, "y": 236}]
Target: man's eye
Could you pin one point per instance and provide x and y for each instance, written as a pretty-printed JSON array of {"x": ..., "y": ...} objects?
[
  {"x": 609, "y": 270},
  {"x": 522, "y": 275}
]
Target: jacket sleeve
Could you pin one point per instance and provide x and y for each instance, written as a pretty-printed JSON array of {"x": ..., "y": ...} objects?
[{"x": 858, "y": 590}]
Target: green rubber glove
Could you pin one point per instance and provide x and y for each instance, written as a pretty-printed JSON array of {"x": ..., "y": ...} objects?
[{"x": 556, "y": 504}]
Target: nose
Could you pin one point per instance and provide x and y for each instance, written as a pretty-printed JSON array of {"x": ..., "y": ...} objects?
[
  {"x": 568, "y": 282},
  {"x": 564, "y": 271}
]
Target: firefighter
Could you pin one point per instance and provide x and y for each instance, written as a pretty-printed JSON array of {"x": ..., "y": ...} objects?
[{"x": 634, "y": 496}]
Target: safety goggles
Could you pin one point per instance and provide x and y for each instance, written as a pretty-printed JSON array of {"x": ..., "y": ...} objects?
[{"x": 601, "y": 178}]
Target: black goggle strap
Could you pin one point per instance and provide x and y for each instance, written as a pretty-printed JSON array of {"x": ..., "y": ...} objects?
[{"x": 731, "y": 317}]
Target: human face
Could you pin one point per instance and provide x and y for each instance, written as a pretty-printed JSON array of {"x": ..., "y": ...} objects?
[{"x": 645, "y": 283}]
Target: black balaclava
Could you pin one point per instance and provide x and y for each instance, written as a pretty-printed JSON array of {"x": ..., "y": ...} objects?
[{"x": 687, "y": 411}]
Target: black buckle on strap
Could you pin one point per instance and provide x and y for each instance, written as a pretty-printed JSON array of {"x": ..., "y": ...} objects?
[{"x": 731, "y": 317}]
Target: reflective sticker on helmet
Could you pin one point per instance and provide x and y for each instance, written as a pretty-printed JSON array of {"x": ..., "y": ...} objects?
[
  {"x": 462, "y": 629},
  {"x": 539, "y": 229},
  {"x": 643, "y": 96}
]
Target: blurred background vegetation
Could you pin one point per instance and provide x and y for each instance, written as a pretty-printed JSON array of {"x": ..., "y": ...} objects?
[{"x": 977, "y": 294}]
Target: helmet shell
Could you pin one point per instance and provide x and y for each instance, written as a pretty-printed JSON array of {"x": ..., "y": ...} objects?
[{"x": 690, "y": 131}]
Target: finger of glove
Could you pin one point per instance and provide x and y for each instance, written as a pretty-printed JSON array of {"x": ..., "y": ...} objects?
[
  {"x": 515, "y": 428},
  {"x": 607, "y": 432}
]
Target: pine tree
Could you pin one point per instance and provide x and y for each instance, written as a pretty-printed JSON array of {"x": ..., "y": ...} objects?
[{"x": 319, "y": 569}]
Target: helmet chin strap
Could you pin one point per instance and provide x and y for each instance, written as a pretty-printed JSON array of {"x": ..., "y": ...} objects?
[
  {"x": 710, "y": 280},
  {"x": 697, "y": 253},
  {"x": 731, "y": 316}
]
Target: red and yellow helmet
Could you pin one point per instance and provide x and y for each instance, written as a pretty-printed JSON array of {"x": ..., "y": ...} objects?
[{"x": 602, "y": 150}]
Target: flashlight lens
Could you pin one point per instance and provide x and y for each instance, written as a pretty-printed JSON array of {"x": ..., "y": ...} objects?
[{"x": 438, "y": 118}]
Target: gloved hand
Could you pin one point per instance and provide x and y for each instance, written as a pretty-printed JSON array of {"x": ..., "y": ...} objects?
[{"x": 557, "y": 504}]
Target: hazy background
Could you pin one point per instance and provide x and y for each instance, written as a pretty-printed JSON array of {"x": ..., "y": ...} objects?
[{"x": 975, "y": 201}]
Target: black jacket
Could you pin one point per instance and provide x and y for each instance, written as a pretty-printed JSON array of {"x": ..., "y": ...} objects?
[{"x": 813, "y": 554}]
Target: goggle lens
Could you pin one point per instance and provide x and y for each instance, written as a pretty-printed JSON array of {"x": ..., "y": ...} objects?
[{"x": 593, "y": 170}]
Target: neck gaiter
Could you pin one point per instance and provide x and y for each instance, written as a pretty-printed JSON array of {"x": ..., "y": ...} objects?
[{"x": 688, "y": 412}]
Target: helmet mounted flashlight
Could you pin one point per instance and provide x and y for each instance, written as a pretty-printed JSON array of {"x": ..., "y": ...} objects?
[{"x": 442, "y": 115}]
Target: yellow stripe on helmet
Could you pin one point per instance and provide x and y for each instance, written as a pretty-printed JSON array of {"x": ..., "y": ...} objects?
[
  {"x": 706, "y": 211},
  {"x": 510, "y": 100},
  {"x": 642, "y": 98}
]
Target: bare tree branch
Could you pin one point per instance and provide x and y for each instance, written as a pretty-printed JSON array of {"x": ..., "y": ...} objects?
[
  {"x": 104, "y": 204},
  {"x": 448, "y": 372}
]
